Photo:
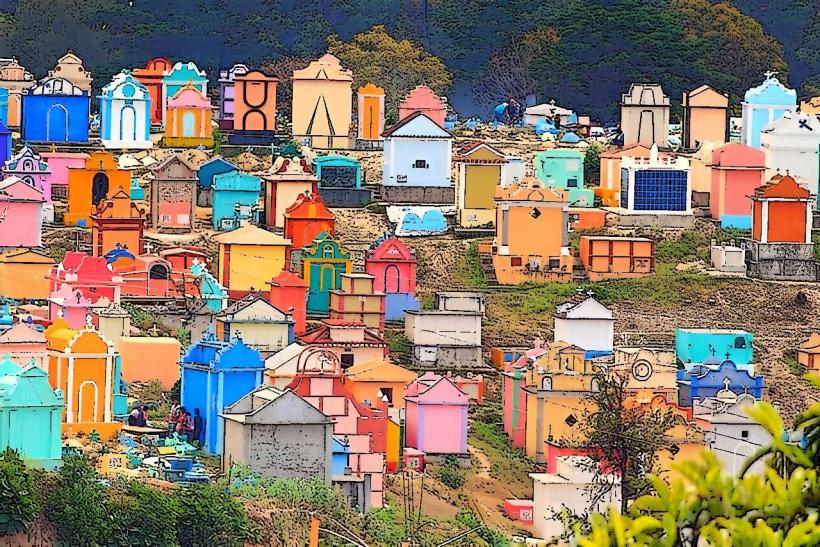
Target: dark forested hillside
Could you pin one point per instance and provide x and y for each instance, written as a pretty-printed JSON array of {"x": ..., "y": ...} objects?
[{"x": 583, "y": 53}]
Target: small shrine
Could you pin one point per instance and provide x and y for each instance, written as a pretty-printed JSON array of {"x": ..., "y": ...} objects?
[
  {"x": 254, "y": 105},
  {"x": 356, "y": 300},
  {"x": 90, "y": 184},
  {"x": 205, "y": 178},
  {"x": 245, "y": 255},
  {"x": 235, "y": 198},
  {"x": 56, "y": 110},
  {"x": 70, "y": 67},
  {"x": 173, "y": 195},
  {"x": 21, "y": 214},
  {"x": 227, "y": 92},
  {"x": 285, "y": 180},
  {"x": 188, "y": 119},
  {"x": 393, "y": 266},
  {"x": 323, "y": 263},
  {"x": 288, "y": 292},
  {"x": 370, "y": 102},
  {"x": 340, "y": 181},
  {"x": 151, "y": 77},
  {"x": 125, "y": 113},
  {"x": 177, "y": 77},
  {"x": 118, "y": 223},
  {"x": 307, "y": 218},
  {"x": 423, "y": 99}
]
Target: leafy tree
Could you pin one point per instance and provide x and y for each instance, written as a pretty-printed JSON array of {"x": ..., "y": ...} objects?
[
  {"x": 628, "y": 438},
  {"x": 707, "y": 507},
  {"x": 283, "y": 69},
  {"x": 592, "y": 164},
  {"x": 210, "y": 516},
  {"x": 17, "y": 493},
  {"x": 396, "y": 65},
  {"x": 76, "y": 503}
]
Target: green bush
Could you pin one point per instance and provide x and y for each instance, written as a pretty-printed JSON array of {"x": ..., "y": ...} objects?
[
  {"x": 142, "y": 515},
  {"x": 450, "y": 473},
  {"x": 210, "y": 516},
  {"x": 76, "y": 503},
  {"x": 18, "y": 503}
]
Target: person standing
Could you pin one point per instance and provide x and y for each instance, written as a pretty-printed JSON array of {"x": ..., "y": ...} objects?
[
  {"x": 173, "y": 416},
  {"x": 199, "y": 427}
]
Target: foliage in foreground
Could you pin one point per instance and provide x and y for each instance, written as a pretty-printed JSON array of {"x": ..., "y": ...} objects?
[
  {"x": 17, "y": 493},
  {"x": 705, "y": 506}
]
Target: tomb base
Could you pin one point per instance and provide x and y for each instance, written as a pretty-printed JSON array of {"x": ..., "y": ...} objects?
[
  {"x": 255, "y": 138},
  {"x": 106, "y": 430}
]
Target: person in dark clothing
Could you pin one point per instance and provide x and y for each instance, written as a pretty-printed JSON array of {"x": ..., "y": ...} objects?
[
  {"x": 199, "y": 427},
  {"x": 138, "y": 417}
]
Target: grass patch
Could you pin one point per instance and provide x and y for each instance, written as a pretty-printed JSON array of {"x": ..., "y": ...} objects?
[
  {"x": 399, "y": 346},
  {"x": 795, "y": 367},
  {"x": 468, "y": 270},
  {"x": 486, "y": 433}
]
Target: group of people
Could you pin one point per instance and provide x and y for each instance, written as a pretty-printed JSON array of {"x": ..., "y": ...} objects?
[
  {"x": 509, "y": 113},
  {"x": 180, "y": 421},
  {"x": 184, "y": 423}
]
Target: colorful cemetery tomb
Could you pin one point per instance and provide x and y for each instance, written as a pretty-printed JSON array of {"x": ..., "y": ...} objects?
[
  {"x": 370, "y": 111},
  {"x": 254, "y": 118},
  {"x": 649, "y": 373},
  {"x": 24, "y": 344},
  {"x": 214, "y": 295},
  {"x": 4, "y": 107},
  {"x": 81, "y": 363},
  {"x": 205, "y": 175},
  {"x": 235, "y": 198},
  {"x": 279, "y": 435},
  {"x": 732, "y": 435},
  {"x": 322, "y": 104},
  {"x": 5, "y": 143},
  {"x": 173, "y": 195},
  {"x": 379, "y": 382},
  {"x": 288, "y": 292},
  {"x": 356, "y": 300},
  {"x": 151, "y": 77},
  {"x": 417, "y": 162},
  {"x": 285, "y": 181},
  {"x": 227, "y": 92},
  {"x": 263, "y": 326},
  {"x": 15, "y": 79},
  {"x": 340, "y": 181},
  {"x": 781, "y": 245},
  {"x": 118, "y": 223},
  {"x": 700, "y": 163},
  {"x": 808, "y": 354},
  {"x": 703, "y": 381},
  {"x": 125, "y": 113},
  {"x": 90, "y": 184},
  {"x": 281, "y": 367},
  {"x": 150, "y": 359},
  {"x": 659, "y": 185},
  {"x": 178, "y": 77},
  {"x": 351, "y": 342},
  {"x": 737, "y": 171},
  {"x": 58, "y": 164},
  {"x": 791, "y": 146},
  {"x": 610, "y": 186},
  {"x": 699, "y": 346},
  {"x": 449, "y": 336},
  {"x": 522, "y": 209},
  {"x": 245, "y": 255},
  {"x": 70, "y": 67},
  {"x": 645, "y": 115},
  {"x": 584, "y": 322},
  {"x": 30, "y": 415},
  {"x": 89, "y": 275},
  {"x": 21, "y": 214},
  {"x": 188, "y": 119},
  {"x": 216, "y": 374},
  {"x": 705, "y": 116},
  {"x": 562, "y": 169},
  {"x": 763, "y": 105},
  {"x": 480, "y": 168},
  {"x": 393, "y": 266},
  {"x": 566, "y": 488},
  {"x": 323, "y": 263},
  {"x": 113, "y": 323},
  {"x": 30, "y": 166},
  {"x": 307, "y": 218},
  {"x": 556, "y": 393},
  {"x": 424, "y": 100},
  {"x": 609, "y": 257},
  {"x": 55, "y": 110},
  {"x": 319, "y": 381},
  {"x": 23, "y": 274},
  {"x": 436, "y": 416}
]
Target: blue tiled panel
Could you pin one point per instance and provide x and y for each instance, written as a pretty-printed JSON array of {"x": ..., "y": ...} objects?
[{"x": 660, "y": 190}]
